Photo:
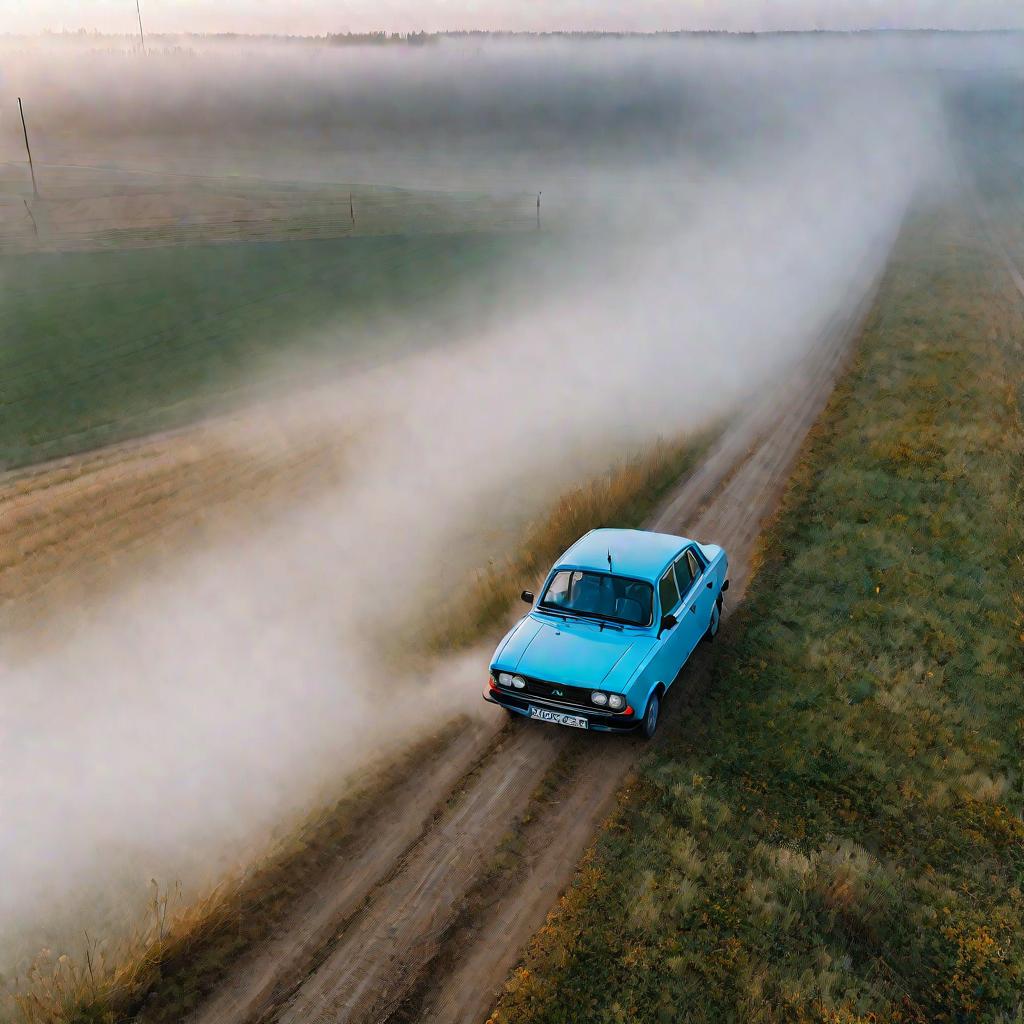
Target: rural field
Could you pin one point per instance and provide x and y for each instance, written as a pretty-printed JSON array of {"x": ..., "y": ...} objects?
[{"x": 314, "y": 357}]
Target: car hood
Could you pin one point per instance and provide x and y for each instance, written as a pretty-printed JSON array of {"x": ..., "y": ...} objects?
[{"x": 574, "y": 653}]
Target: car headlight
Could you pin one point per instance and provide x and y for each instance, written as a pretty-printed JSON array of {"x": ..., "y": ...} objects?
[
  {"x": 616, "y": 702},
  {"x": 504, "y": 678},
  {"x": 519, "y": 682},
  {"x": 599, "y": 698}
]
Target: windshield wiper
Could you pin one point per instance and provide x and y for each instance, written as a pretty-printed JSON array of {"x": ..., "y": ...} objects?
[
  {"x": 559, "y": 613},
  {"x": 584, "y": 616}
]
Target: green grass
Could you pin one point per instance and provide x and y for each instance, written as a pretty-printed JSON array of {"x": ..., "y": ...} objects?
[
  {"x": 836, "y": 835},
  {"x": 97, "y": 347}
]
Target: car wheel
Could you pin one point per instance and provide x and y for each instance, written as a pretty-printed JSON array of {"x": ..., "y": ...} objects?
[
  {"x": 713, "y": 622},
  {"x": 651, "y": 716}
]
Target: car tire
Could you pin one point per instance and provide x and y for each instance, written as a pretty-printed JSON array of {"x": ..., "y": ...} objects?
[
  {"x": 714, "y": 622},
  {"x": 650, "y": 723}
]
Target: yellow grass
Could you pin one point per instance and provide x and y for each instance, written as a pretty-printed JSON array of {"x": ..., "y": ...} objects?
[{"x": 622, "y": 497}]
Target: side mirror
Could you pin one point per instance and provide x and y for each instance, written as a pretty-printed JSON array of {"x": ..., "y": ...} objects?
[
  {"x": 725, "y": 586},
  {"x": 711, "y": 584},
  {"x": 667, "y": 622},
  {"x": 527, "y": 596}
]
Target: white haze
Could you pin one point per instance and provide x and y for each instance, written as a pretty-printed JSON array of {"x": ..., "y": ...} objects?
[{"x": 195, "y": 711}]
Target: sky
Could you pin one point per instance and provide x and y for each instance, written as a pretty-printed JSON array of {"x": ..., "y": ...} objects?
[{"x": 316, "y": 17}]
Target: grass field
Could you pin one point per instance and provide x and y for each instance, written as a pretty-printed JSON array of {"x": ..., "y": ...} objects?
[
  {"x": 103, "y": 346},
  {"x": 836, "y": 836},
  {"x": 98, "y": 208}
]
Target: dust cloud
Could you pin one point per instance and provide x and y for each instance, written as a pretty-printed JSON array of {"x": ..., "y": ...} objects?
[{"x": 708, "y": 207}]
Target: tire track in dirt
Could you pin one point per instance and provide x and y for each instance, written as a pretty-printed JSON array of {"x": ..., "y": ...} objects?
[
  {"x": 405, "y": 952},
  {"x": 316, "y": 919}
]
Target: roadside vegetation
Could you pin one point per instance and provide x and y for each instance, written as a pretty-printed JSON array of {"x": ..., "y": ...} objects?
[
  {"x": 835, "y": 834},
  {"x": 99, "y": 347},
  {"x": 625, "y": 496},
  {"x": 162, "y": 971}
]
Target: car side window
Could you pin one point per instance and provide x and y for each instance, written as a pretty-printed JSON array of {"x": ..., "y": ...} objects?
[
  {"x": 695, "y": 567},
  {"x": 668, "y": 592},
  {"x": 558, "y": 591},
  {"x": 684, "y": 575}
]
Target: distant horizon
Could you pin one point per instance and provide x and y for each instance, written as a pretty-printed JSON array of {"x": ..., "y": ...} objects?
[
  {"x": 317, "y": 18},
  {"x": 400, "y": 34}
]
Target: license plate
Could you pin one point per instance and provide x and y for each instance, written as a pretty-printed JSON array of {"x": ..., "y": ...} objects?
[{"x": 558, "y": 718}]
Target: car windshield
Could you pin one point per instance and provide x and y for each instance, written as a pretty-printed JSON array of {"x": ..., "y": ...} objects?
[{"x": 600, "y": 595}]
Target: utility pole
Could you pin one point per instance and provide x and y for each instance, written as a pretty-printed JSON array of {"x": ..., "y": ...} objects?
[
  {"x": 539, "y": 194},
  {"x": 142, "y": 35},
  {"x": 351, "y": 209},
  {"x": 28, "y": 149}
]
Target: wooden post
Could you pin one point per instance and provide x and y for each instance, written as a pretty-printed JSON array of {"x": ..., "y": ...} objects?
[
  {"x": 28, "y": 149},
  {"x": 539, "y": 194},
  {"x": 142, "y": 35},
  {"x": 351, "y": 209}
]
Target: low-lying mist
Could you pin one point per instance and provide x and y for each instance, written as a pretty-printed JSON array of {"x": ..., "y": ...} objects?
[{"x": 712, "y": 217}]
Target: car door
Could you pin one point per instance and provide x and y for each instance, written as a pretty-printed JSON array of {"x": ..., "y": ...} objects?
[
  {"x": 673, "y": 641},
  {"x": 696, "y": 598}
]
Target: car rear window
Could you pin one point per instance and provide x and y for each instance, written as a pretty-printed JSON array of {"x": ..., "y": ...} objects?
[{"x": 684, "y": 575}]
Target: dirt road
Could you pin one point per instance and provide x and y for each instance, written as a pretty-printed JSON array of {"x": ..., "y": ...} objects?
[{"x": 426, "y": 920}]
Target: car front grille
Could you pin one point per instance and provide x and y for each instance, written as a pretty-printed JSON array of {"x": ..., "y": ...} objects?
[{"x": 575, "y": 695}]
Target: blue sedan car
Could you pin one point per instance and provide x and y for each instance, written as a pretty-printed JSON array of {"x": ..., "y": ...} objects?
[{"x": 618, "y": 616}]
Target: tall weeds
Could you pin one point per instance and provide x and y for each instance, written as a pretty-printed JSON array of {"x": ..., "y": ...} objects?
[{"x": 622, "y": 497}]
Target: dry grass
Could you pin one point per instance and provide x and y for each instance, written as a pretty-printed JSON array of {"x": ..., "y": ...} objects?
[
  {"x": 622, "y": 497},
  {"x": 160, "y": 972},
  {"x": 72, "y": 530}
]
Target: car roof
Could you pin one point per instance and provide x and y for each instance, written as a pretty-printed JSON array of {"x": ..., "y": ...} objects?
[{"x": 637, "y": 553}]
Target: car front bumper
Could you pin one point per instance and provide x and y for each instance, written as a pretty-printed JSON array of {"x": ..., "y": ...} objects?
[{"x": 598, "y": 721}]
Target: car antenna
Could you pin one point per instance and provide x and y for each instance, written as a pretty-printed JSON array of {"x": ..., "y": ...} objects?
[{"x": 609, "y": 559}]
